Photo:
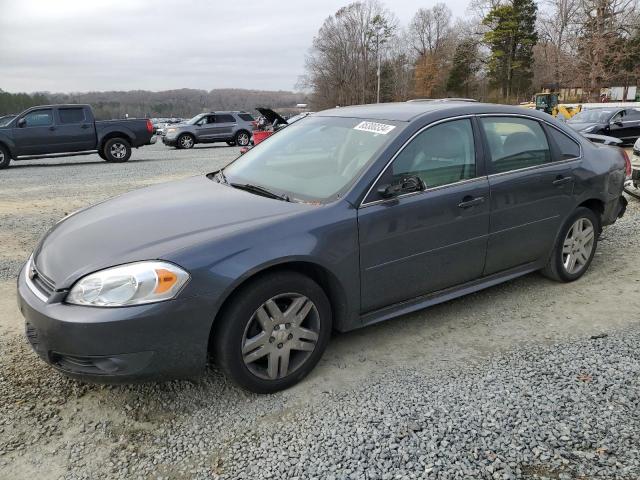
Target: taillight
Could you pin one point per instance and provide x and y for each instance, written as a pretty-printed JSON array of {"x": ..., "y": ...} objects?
[
  {"x": 149, "y": 126},
  {"x": 627, "y": 163}
]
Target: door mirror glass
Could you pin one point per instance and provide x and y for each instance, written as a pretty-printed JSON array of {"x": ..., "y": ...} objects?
[{"x": 22, "y": 123}]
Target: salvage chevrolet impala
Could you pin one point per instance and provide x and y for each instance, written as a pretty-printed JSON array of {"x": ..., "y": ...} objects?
[{"x": 344, "y": 219}]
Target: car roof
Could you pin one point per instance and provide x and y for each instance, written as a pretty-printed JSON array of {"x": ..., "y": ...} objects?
[{"x": 407, "y": 111}]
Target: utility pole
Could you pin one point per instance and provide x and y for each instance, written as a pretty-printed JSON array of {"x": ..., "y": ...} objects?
[{"x": 378, "y": 54}]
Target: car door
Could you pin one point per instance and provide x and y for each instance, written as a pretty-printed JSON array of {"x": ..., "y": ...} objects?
[
  {"x": 629, "y": 131},
  {"x": 75, "y": 131},
  {"x": 34, "y": 133},
  {"x": 205, "y": 129},
  {"x": 531, "y": 185},
  {"x": 427, "y": 240},
  {"x": 225, "y": 126}
]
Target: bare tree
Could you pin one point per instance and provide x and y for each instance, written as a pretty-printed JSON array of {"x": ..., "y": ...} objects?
[{"x": 432, "y": 41}]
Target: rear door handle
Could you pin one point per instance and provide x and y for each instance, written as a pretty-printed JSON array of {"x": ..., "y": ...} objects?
[
  {"x": 562, "y": 180},
  {"x": 85, "y": 126},
  {"x": 469, "y": 201},
  {"x": 52, "y": 128}
]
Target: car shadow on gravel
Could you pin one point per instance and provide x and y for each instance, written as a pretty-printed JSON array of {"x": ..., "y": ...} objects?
[{"x": 33, "y": 164}]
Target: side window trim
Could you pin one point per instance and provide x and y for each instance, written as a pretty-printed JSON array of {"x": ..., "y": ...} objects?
[{"x": 479, "y": 176}]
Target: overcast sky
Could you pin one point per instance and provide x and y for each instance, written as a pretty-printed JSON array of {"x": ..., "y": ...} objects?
[{"x": 83, "y": 45}]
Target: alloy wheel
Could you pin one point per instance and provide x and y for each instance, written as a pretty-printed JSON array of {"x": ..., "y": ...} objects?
[
  {"x": 578, "y": 246},
  {"x": 118, "y": 150},
  {"x": 280, "y": 336},
  {"x": 243, "y": 139},
  {"x": 186, "y": 141}
]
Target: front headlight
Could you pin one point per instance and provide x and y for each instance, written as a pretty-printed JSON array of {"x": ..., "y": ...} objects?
[
  {"x": 171, "y": 130},
  {"x": 131, "y": 284}
]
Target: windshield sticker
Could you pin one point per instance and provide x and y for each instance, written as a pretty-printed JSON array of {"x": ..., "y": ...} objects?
[{"x": 374, "y": 127}]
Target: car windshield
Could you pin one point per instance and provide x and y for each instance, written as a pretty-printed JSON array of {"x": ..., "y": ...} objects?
[
  {"x": 315, "y": 159},
  {"x": 592, "y": 116}
]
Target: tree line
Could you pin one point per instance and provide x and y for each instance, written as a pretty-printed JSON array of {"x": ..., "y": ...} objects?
[
  {"x": 503, "y": 51},
  {"x": 182, "y": 103}
]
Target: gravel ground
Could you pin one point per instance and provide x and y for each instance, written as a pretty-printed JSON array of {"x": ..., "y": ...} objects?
[{"x": 505, "y": 383}]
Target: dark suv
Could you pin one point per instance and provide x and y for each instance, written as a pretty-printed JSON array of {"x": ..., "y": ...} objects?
[{"x": 232, "y": 127}]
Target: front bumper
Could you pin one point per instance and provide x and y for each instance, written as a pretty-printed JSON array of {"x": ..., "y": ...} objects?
[
  {"x": 117, "y": 345},
  {"x": 170, "y": 141}
]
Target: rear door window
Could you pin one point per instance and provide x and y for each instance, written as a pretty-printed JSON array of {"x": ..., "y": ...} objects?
[
  {"x": 515, "y": 143},
  {"x": 224, "y": 118},
  {"x": 71, "y": 115},
  {"x": 39, "y": 118},
  {"x": 246, "y": 117}
]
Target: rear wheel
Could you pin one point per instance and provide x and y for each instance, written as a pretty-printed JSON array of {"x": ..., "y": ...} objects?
[
  {"x": 575, "y": 247},
  {"x": 116, "y": 150},
  {"x": 186, "y": 141},
  {"x": 5, "y": 157},
  {"x": 273, "y": 332}
]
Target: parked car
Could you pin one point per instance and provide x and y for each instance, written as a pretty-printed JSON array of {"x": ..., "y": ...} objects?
[
  {"x": 344, "y": 219},
  {"x": 622, "y": 123},
  {"x": 635, "y": 170},
  {"x": 234, "y": 128},
  {"x": 64, "y": 129}
]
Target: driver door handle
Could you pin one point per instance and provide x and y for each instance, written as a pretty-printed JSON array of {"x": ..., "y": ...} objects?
[
  {"x": 469, "y": 201},
  {"x": 560, "y": 180}
]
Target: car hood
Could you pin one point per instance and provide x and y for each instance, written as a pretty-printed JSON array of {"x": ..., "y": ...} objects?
[
  {"x": 271, "y": 116},
  {"x": 151, "y": 223},
  {"x": 579, "y": 126}
]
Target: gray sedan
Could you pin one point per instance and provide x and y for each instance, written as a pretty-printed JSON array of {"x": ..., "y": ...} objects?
[{"x": 346, "y": 218}]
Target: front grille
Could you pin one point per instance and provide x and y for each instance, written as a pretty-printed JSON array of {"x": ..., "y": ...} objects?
[{"x": 39, "y": 283}]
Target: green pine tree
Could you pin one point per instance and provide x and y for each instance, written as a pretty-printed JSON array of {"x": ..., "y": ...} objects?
[
  {"x": 464, "y": 67},
  {"x": 511, "y": 39}
]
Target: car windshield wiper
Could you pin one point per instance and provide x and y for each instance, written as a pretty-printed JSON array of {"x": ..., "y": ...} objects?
[{"x": 260, "y": 191}]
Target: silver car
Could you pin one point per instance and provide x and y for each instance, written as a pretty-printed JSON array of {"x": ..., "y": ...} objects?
[{"x": 234, "y": 128}]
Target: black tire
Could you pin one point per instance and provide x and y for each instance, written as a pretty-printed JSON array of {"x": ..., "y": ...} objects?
[
  {"x": 228, "y": 337},
  {"x": 116, "y": 150},
  {"x": 231, "y": 144},
  {"x": 5, "y": 157},
  {"x": 555, "y": 268},
  {"x": 101, "y": 154},
  {"x": 242, "y": 138},
  {"x": 186, "y": 141}
]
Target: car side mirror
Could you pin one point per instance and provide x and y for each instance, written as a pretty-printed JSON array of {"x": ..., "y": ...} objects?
[
  {"x": 618, "y": 123},
  {"x": 22, "y": 123},
  {"x": 408, "y": 184}
]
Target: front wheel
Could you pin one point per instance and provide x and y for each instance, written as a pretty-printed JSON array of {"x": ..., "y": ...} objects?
[
  {"x": 575, "y": 246},
  {"x": 273, "y": 332},
  {"x": 242, "y": 138},
  {"x": 186, "y": 141},
  {"x": 5, "y": 157},
  {"x": 116, "y": 150}
]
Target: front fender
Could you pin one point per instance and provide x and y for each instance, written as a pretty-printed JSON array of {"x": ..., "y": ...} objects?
[
  {"x": 7, "y": 141},
  {"x": 220, "y": 267}
]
